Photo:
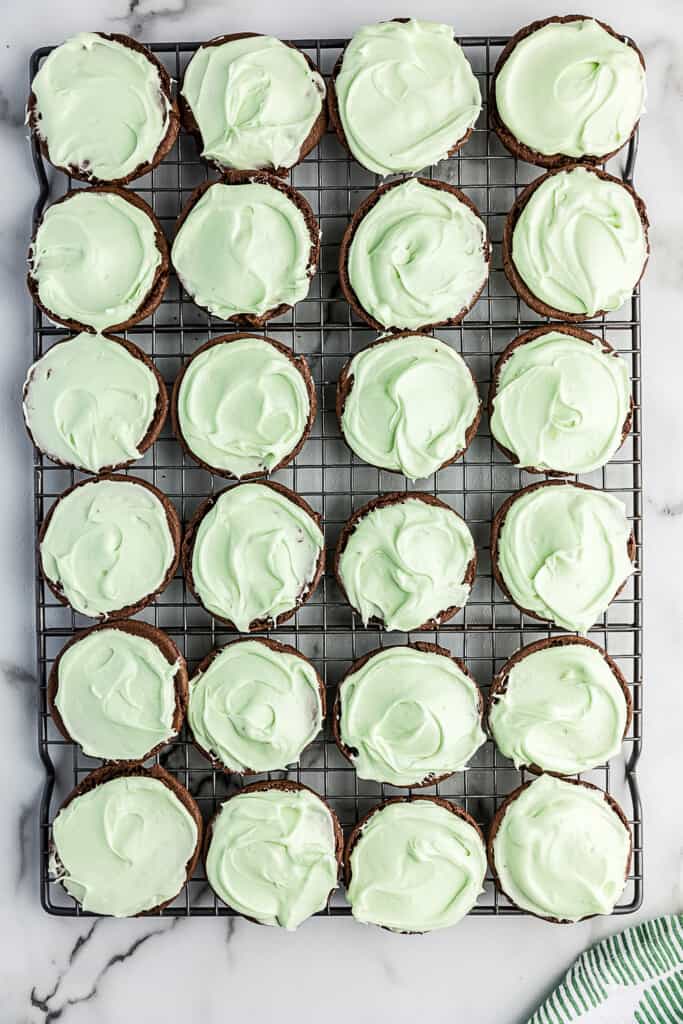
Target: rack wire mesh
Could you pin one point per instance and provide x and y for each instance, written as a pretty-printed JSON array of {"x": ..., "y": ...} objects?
[{"x": 335, "y": 482}]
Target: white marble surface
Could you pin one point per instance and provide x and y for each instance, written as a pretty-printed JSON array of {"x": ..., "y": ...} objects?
[{"x": 485, "y": 970}]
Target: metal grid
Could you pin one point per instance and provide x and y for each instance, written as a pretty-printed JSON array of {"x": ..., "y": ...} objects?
[{"x": 335, "y": 482}]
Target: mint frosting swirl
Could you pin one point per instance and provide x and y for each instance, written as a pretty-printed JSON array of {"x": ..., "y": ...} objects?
[
  {"x": 412, "y": 401},
  {"x": 571, "y": 88},
  {"x": 563, "y": 552},
  {"x": 406, "y": 94},
  {"x": 255, "y": 101},
  {"x": 123, "y": 847},
  {"x": 408, "y": 715},
  {"x": 415, "y": 867},
  {"x": 88, "y": 402},
  {"x": 255, "y": 708},
  {"x": 560, "y": 403},
  {"x": 561, "y": 850},
  {"x": 272, "y": 855},
  {"x": 100, "y": 107},
  {"x": 579, "y": 243}
]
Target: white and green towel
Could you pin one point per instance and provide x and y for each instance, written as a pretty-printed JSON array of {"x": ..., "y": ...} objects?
[{"x": 633, "y": 977}]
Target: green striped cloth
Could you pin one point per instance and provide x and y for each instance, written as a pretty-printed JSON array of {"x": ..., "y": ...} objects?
[{"x": 632, "y": 978}]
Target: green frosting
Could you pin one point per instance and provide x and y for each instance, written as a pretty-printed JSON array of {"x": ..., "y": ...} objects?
[
  {"x": 123, "y": 847},
  {"x": 89, "y": 403},
  {"x": 255, "y": 101},
  {"x": 405, "y": 563},
  {"x": 116, "y": 695},
  {"x": 255, "y": 708},
  {"x": 100, "y": 107},
  {"x": 562, "y": 552},
  {"x": 417, "y": 257},
  {"x": 272, "y": 855},
  {"x": 243, "y": 249},
  {"x": 406, "y": 94},
  {"x": 571, "y": 88},
  {"x": 108, "y": 545},
  {"x": 416, "y": 867},
  {"x": 561, "y": 851},
  {"x": 94, "y": 259},
  {"x": 242, "y": 406},
  {"x": 410, "y": 405},
  {"x": 579, "y": 244},
  {"x": 408, "y": 715},
  {"x": 561, "y": 403},
  {"x": 255, "y": 554},
  {"x": 563, "y": 710}
]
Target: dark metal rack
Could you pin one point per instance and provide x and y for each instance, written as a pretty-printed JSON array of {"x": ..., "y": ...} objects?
[{"x": 335, "y": 482}]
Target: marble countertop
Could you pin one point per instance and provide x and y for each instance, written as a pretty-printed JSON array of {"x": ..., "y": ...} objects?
[{"x": 171, "y": 970}]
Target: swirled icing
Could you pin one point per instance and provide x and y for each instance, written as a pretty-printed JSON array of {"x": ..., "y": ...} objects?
[
  {"x": 405, "y": 563},
  {"x": 406, "y": 95},
  {"x": 108, "y": 545},
  {"x": 116, "y": 694},
  {"x": 272, "y": 855},
  {"x": 255, "y": 708},
  {"x": 89, "y": 403},
  {"x": 561, "y": 851},
  {"x": 417, "y": 257},
  {"x": 94, "y": 258},
  {"x": 100, "y": 107},
  {"x": 571, "y": 88},
  {"x": 407, "y": 715},
  {"x": 416, "y": 867},
  {"x": 243, "y": 249},
  {"x": 579, "y": 243},
  {"x": 560, "y": 403},
  {"x": 123, "y": 847},
  {"x": 410, "y": 406},
  {"x": 563, "y": 553},
  {"x": 255, "y": 101},
  {"x": 255, "y": 553},
  {"x": 563, "y": 710},
  {"x": 242, "y": 406}
]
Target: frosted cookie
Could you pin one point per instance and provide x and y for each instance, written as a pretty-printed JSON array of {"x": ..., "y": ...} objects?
[
  {"x": 253, "y": 102},
  {"x": 408, "y": 403},
  {"x": 243, "y": 406},
  {"x": 94, "y": 402}
]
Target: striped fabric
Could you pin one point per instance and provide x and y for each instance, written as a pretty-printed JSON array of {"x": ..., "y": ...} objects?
[{"x": 632, "y": 978}]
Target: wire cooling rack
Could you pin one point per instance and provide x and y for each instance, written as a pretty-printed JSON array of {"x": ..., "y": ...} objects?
[{"x": 335, "y": 482}]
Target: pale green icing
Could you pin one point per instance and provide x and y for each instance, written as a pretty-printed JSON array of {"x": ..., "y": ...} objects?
[
  {"x": 100, "y": 107},
  {"x": 272, "y": 856},
  {"x": 561, "y": 851},
  {"x": 255, "y": 554},
  {"x": 243, "y": 249},
  {"x": 255, "y": 708},
  {"x": 116, "y": 694},
  {"x": 405, "y": 563},
  {"x": 255, "y": 101},
  {"x": 571, "y": 88},
  {"x": 123, "y": 847},
  {"x": 408, "y": 715},
  {"x": 95, "y": 258},
  {"x": 406, "y": 94},
  {"x": 416, "y": 867},
  {"x": 417, "y": 257},
  {"x": 89, "y": 402},
  {"x": 561, "y": 403},
  {"x": 242, "y": 406},
  {"x": 563, "y": 710},
  {"x": 562, "y": 552},
  {"x": 579, "y": 244},
  {"x": 108, "y": 545},
  {"x": 410, "y": 405}
]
